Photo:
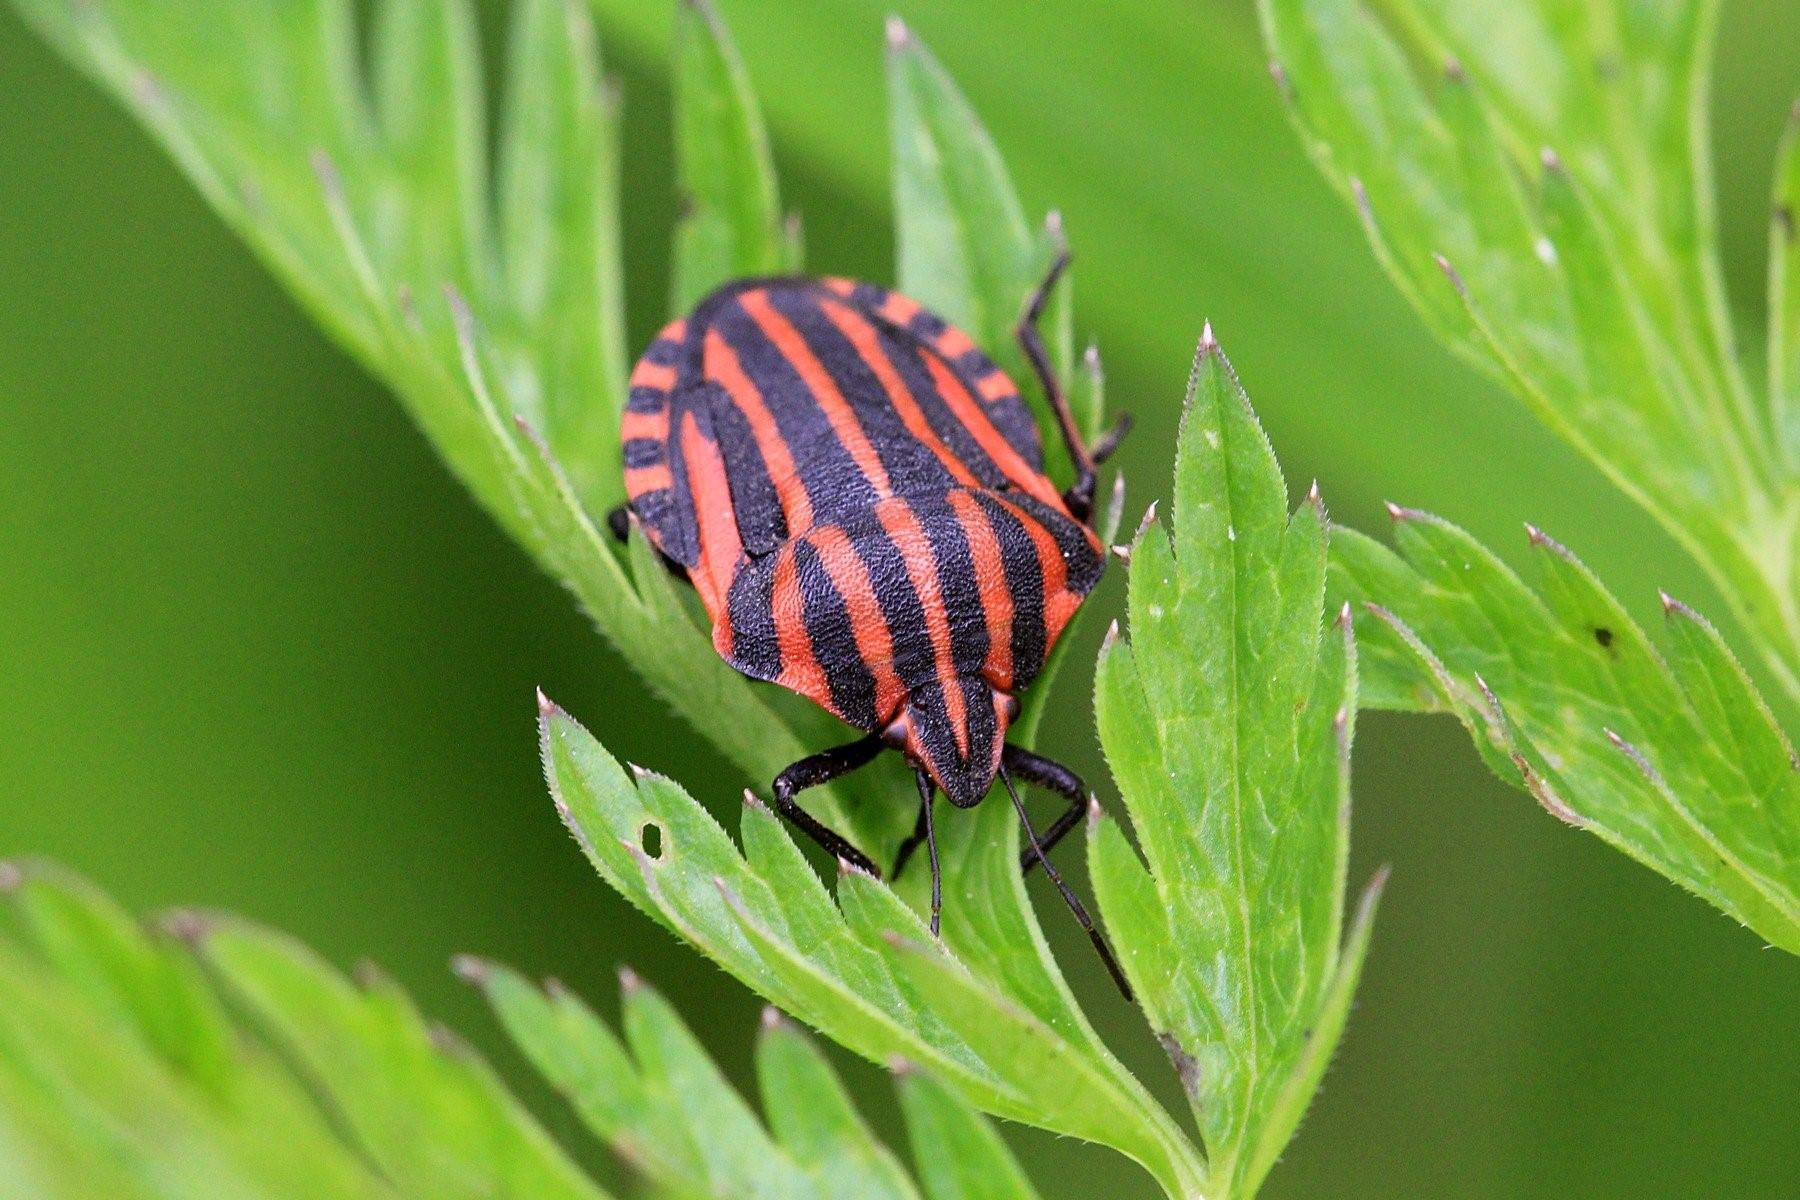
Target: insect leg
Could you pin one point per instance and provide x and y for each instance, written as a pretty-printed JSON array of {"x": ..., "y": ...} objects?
[
  {"x": 937, "y": 879},
  {"x": 1057, "y": 778},
  {"x": 1069, "y": 898},
  {"x": 1080, "y": 497},
  {"x": 913, "y": 841},
  {"x": 819, "y": 768}
]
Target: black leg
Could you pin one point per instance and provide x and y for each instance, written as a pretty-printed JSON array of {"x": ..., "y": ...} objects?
[
  {"x": 913, "y": 841},
  {"x": 819, "y": 768},
  {"x": 1080, "y": 497},
  {"x": 926, "y": 796},
  {"x": 1109, "y": 441},
  {"x": 1069, "y": 898},
  {"x": 1057, "y": 778}
]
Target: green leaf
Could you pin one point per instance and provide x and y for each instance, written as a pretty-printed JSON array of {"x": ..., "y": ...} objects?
[
  {"x": 730, "y": 225},
  {"x": 503, "y": 337},
  {"x": 128, "y": 1070},
  {"x": 960, "y": 1156},
  {"x": 1535, "y": 177},
  {"x": 666, "y": 1109},
  {"x": 1667, "y": 753},
  {"x": 986, "y": 1013},
  {"x": 1227, "y": 718},
  {"x": 965, "y": 251},
  {"x": 1784, "y": 293}
]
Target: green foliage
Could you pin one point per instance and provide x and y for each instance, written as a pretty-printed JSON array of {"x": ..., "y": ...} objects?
[
  {"x": 496, "y": 319},
  {"x": 1668, "y": 753},
  {"x": 1227, "y": 719},
  {"x": 1535, "y": 177},
  {"x": 210, "y": 1059}
]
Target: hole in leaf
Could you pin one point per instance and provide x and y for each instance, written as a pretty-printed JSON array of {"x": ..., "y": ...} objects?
[
  {"x": 1604, "y": 636},
  {"x": 650, "y": 836}
]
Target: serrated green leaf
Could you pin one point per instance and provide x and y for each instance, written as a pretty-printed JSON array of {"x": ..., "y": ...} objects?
[
  {"x": 1668, "y": 754},
  {"x": 1535, "y": 177},
  {"x": 507, "y": 350},
  {"x": 730, "y": 224},
  {"x": 125, "y": 1072},
  {"x": 1227, "y": 721},
  {"x": 960, "y": 1155},
  {"x": 972, "y": 1020},
  {"x": 965, "y": 250},
  {"x": 413, "y": 1098}
]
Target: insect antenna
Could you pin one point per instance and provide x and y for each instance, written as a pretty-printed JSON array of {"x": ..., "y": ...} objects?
[
  {"x": 1069, "y": 897},
  {"x": 926, "y": 796}
]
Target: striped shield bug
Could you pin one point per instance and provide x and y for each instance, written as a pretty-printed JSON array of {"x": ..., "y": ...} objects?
[{"x": 858, "y": 494}]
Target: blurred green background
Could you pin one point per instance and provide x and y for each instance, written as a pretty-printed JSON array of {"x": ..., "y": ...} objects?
[{"x": 258, "y": 651}]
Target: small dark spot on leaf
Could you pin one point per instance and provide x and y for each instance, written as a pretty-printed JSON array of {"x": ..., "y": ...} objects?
[
  {"x": 651, "y": 838},
  {"x": 1606, "y": 67},
  {"x": 685, "y": 207},
  {"x": 1604, "y": 636},
  {"x": 1186, "y": 1066},
  {"x": 1784, "y": 220}
]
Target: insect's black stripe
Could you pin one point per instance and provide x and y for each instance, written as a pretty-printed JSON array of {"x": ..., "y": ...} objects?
[
  {"x": 904, "y": 353},
  {"x": 646, "y": 400},
  {"x": 832, "y": 480},
  {"x": 915, "y": 657},
  {"x": 960, "y": 588},
  {"x": 679, "y": 528},
  {"x": 642, "y": 452},
  {"x": 911, "y": 467},
  {"x": 761, "y": 521},
  {"x": 750, "y": 607},
  {"x": 665, "y": 352},
  {"x": 1025, "y": 582},
  {"x": 1084, "y": 564},
  {"x": 833, "y": 641},
  {"x": 927, "y": 326}
]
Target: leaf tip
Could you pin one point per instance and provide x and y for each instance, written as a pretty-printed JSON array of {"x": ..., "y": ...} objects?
[
  {"x": 1674, "y": 608},
  {"x": 846, "y": 868},
  {"x": 472, "y": 969},
  {"x": 1344, "y": 619},
  {"x": 630, "y": 982},
  {"x": 1400, "y": 514},
  {"x": 1095, "y": 814},
  {"x": 1148, "y": 520},
  {"x": 1453, "y": 71},
  {"x": 1283, "y": 83},
  {"x": 324, "y": 168},
  {"x": 188, "y": 925},
  {"x": 772, "y": 1019},
  {"x": 1551, "y": 160},
  {"x": 1452, "y": 274},
  {"x": 901, "y": 1066},
  {"x": 1112, "y": 629},
  {"x": 1055, "y": 231},
  {"x": 1208, "y": 343},
  {"x": 547, "y": 708},
  {"x": 12, "y": 877},
  {"x": 752, "y": 803},
  {"x": 1122, "y": 553},
  {"x": 899, "y": 37}
]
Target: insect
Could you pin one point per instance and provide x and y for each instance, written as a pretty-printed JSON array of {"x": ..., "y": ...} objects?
[{"x": 858, "y": 494}]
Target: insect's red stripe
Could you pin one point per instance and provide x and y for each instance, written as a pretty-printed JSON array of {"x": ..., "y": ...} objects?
[
  {"x": 639, "y": 480},
  {"x": 990, "y": 575},
  {"x": 874, "y": 645},
  {"x": 1059, "y": 602},
  {"x": 724, "y": 367},
  {"x": 720, "y": 548},
  {"x": 970, "y": 412},
  {"x": 915, "y": 550},
  {"x": 821, "y": 385},
  {"x": 899, "y": 309},
  {"x": 953, "y": 343},
  {"x": 800, "y": 669},
  {"x": 867, "y": 341},
  {"x": 995, "y": 386}
]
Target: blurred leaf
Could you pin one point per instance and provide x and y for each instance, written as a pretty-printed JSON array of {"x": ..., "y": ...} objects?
[
  {"x": 507, "y": 350},
  {"x": 1536, "y": 177},
  {"x": 730, "y": 224},
  {"x": 1671, "y": 756},
  {"x": 865, "y": 971},
  {"x": 960, "y": 1156},
  {"x": 125, "y": 1072},
  {"x": 1784, "y": 293},
  {"x": 964, "y": 248},
  {"x": 1227, "y": 719}
]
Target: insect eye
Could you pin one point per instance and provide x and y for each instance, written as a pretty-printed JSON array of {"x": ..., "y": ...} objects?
[{"x": 1008, "y": 704}]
